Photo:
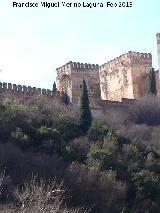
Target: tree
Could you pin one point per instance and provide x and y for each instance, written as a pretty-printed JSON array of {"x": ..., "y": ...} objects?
[
  {"x": 65, "y": 98},
  {"x": 85, "y": 116},
  {"x": 54, "y": 87},
  {"x": 152, "y": 82}
]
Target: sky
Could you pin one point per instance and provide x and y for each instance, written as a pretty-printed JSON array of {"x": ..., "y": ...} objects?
[{"x": 35, "y": 41}]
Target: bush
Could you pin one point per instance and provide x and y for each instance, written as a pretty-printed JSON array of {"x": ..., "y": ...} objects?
[
  {"x": 36, "y": 196},
  {"x": 96, "y": 190},
  {"x": 97, "y": 132},
  {"x": 68, "y": 129},
  {"x": 79, "y": 148}
]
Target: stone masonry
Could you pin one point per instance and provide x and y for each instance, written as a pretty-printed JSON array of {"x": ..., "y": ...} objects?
[
  {"x": 125, "y": 77},
  {"x": 158, "y": 47},
  {"x": 70, "y": 78}
]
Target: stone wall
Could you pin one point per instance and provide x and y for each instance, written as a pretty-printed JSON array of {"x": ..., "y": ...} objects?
[
  {"x": 63, "y": 80},
  {"x": 141, "y": 65},
  {"x": 70, "y": 80},
  {"x": 157, "y": 74},
  {"x": 23, "y": 93},
  {"x": 125, "y": 77},
  {"x": 158, "y": 47}
]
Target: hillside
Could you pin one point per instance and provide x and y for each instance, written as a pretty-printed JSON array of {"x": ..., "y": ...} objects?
[{"x": 48, "y": 164}]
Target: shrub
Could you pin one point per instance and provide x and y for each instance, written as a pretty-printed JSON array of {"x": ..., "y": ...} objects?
[
  {"x": 97, "y": 190},
  {"x": 79, "y": 148},
  {"x": 97, "y": 132},
  {"x": 21, "y": 139}
]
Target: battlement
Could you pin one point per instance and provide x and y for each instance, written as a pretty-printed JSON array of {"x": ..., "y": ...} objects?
[
  {"x": 130, "y": 55},
  {"x": 83, "y": 66},
  {"x": 77, "y": 66},
  {"x": 25, "y": 89},
  {"x": 158, "y": 35}
]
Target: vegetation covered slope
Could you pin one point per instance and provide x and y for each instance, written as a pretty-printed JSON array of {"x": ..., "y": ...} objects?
[{"x": 107, "y": 169}]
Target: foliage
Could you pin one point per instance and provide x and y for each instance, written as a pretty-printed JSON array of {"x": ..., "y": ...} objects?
[
  {"x": 152, "y": 83},
  {"x": 98, "y": 190},
  {"x": 54, "y": 87},
  {"x": 97, "y": 132},
  {"x": 36, "y": 196},
  {"x": 85, "y": 116},
  {"x": 104, "y": 168}
]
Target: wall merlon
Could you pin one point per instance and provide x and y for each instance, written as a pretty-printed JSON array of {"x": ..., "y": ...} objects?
[
  {"x": 128, "y": 56},
  {"x": 4, "y": 85},
  {"x": 29, "y": 89},
  {"x": 39, "y": 90},
  {"x": 43, "y": 91},
  {"x": 9, "y": 86},
  {"x": 76, "y": 66},
  {"x": 19, "y": 89},
  {"x": 158, "y": 35},
  {"x": 84, "y": 66},
  {"x": 24, "y": 88},
  {"x": 34, "y": 90},
  {"x": 14, "y": 87}
]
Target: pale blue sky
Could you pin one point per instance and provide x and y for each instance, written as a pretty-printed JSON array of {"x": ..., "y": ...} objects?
[{"x": 34, "y": 41}]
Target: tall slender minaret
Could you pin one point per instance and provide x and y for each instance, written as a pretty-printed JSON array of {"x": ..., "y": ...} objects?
[{"x": 158, "y": 48}]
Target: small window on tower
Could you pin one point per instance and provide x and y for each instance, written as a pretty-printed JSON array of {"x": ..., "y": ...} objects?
[
  {"x": 91, "y": 88},
  {"x": 80, "y": 86}
]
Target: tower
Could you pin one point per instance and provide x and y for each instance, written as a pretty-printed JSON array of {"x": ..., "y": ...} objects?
[
  {"x": 70, "y": 78},
  {"x": 125, "y": 77},
  {"x": 158, "y": 47}
]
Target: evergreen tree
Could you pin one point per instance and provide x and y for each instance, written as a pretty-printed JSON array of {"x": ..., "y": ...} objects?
[
  {"x": 65, "y": 98},
  {"x": 54, "y": 87},
  {"x": 86, "y": 116},
  {"x": 152, "y": 82}
]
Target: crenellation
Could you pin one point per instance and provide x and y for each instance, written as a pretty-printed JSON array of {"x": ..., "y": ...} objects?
[
  {"x": 19, "y": 88},
  {"x": 14, "y": 87},
  {"x": 49, "y": 92},
  {"x": 120, "y": 79},
  {"x": 158, "y": 35},
  {"x": 34, "y": 90},
  {"x": 130, "y": 56},
  {"x": 39, "y": 90},
  {"x": 23, "y": 93},
  {"x": 29, "y": 89},
  {"x": 9, "y": 86},
  {"x": 24, "y": 88},
  {"x": 158, "y": 47},
  {"x": 5, "y": 86},
  {"x": 43, "y": 91}
]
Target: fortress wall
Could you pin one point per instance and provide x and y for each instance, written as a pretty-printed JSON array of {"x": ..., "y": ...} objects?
[
  {"x": 116, "y": 79},
  {"x": 157, "y": 74},
  {"x": 64, "y": 70},
  {"x": 158, "y": 47},
  {"x": 70, "y": 80},
  {"x": 125, "y": 77},
  {"x": 63, "y": 80},
  {"x": 24, "y": 93},
  {"x": 141, "y": 65},
  {"x": 112, "y": 112},
  {"x": 90, "y": 72}
]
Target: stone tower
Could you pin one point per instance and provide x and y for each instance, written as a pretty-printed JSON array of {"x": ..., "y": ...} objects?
[
  {"x": 158, "y": 47},
  {"x": 70, "y": 78},
  {"x": 125, "y": 77}
]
